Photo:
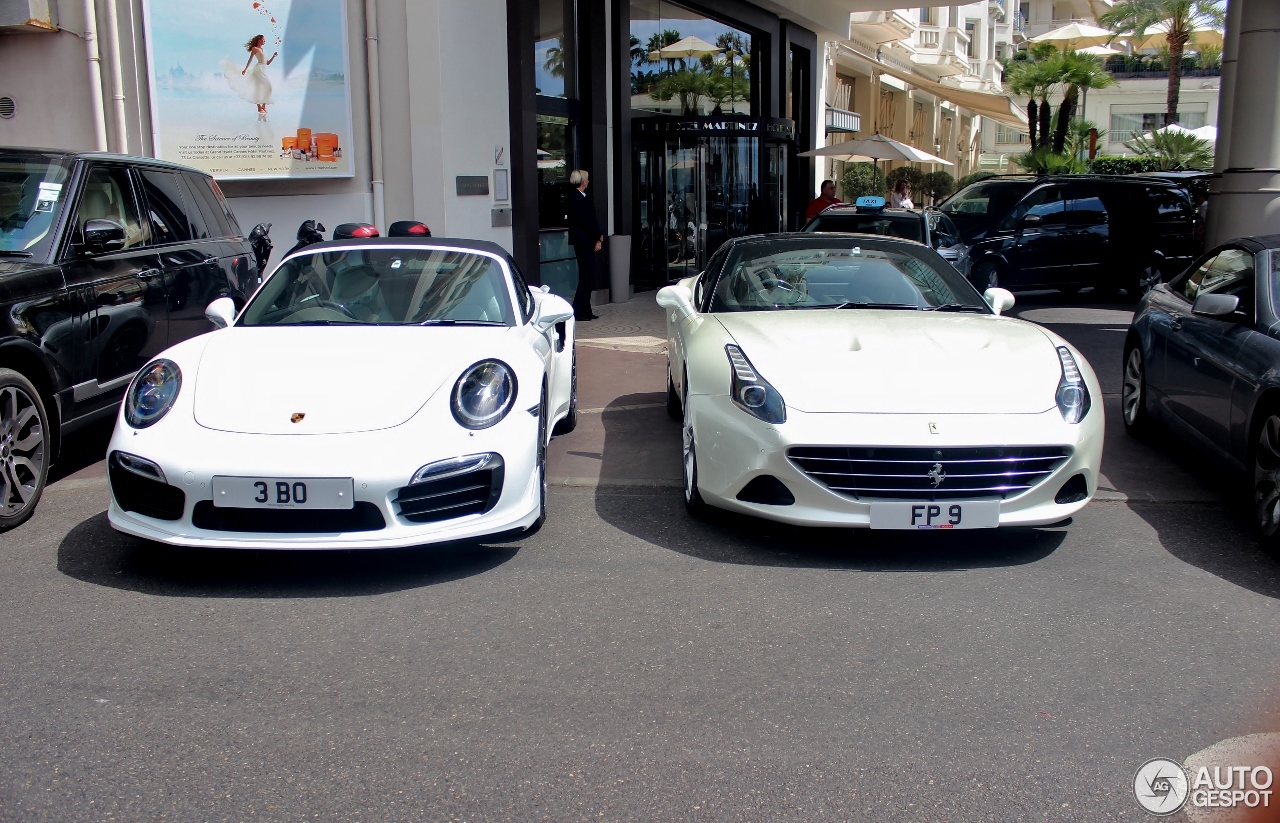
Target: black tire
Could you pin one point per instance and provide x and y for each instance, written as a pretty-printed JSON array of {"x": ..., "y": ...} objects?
[
  {"x": 1133, "y": 391},
  {"x": 1264, "y": 453},
  {"x": 24, "y": 449},
  {"x": 985, "y": 276},
  {"x": 675, "y": 409},
  {"x": 693, "y": 502},
  {"x": 570, "y": 421},
  {"x": 543, "y": 411}
]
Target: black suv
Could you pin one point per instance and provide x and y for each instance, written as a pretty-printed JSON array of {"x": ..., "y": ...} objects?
[
  {"x": 1067, "y": 232},
  {"x": 105, "y": 261}
]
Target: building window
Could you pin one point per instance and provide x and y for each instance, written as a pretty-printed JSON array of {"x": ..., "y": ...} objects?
[
  {"x": 1126, "y": 126},
  {"x": 553, "y": 51},
  {"x": 1006, "y": 135},
  {"x": 970, "y": 27},
  {"x": 707, "y": 72}
]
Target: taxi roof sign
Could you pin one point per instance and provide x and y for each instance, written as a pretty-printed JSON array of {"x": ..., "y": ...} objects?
[{"x": 870, "y": 202}]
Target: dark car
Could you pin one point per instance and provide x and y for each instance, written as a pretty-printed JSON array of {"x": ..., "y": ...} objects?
[
  {"x": 1068, "y": 232},
  {"x": 1202, "y": 357},
  {"x": 870, "y": 216},
  {"x": 105, "y": 261}
]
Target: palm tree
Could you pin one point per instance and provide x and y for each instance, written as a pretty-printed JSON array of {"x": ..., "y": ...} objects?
[
  {"x": 1174, "y": 150},
  {"x": 1036, "y": 79},
  {"x": 660, "y": 41},
  {"x": 1079, "y": 72},
  {"x": 689, "y": 85},
  {"x": 1181, "y": 18}
]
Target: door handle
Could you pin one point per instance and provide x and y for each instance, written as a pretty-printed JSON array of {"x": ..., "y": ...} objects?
[
  {"x": 210, "y": 259},
  {"x": 149, "y": 274},
  {"x": 1175, "y": 322}
]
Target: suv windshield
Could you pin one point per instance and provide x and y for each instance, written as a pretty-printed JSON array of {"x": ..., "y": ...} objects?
[
  {"x": 975, "y": 207},
  {"x": 829, "y": 272},
  {"x": 384, "y": 287},
  {"x": 32, "y": 191},
  {"x": 885, "y": 224}
]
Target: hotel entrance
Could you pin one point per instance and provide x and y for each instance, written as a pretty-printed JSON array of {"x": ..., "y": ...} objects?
[{"x": 699, "y": 181}]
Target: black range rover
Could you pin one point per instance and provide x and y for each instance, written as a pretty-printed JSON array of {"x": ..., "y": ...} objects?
[
  {"x": 105, "y": 261},
  {"x": 1068, "y": 232}
]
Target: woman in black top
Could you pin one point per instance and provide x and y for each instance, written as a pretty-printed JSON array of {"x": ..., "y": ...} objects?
[{"x": 586, "y": 238}]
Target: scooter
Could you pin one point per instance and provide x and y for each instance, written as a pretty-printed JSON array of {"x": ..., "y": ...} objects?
[
  {"x": 260, "y": 243},
  {"x": 309, "y": 233}
]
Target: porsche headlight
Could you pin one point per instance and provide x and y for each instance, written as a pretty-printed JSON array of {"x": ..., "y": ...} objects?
[
  {"x": 152, "y": 392},
  {"x": 751, "y": 392},
  {"x": 483, "y": 394},
  {"x": 1073, "y": 394}
]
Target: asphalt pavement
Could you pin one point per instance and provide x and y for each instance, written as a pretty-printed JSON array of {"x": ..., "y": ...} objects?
[{"x": 629, "y": 663}]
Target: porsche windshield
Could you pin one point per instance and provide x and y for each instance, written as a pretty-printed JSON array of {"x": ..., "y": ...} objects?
[
  {"x": 840, "y": 273},
  {"x": 376, "y": 286},
  {"x": 32, "y": 191},
  {"x": 891, "y": 224}
]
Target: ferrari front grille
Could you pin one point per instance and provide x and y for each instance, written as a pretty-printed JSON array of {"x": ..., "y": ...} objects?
[{"x": 924, "y": 473}]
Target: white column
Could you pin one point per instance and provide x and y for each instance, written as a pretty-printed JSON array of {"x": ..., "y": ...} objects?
[{"x": 1246, "y": 199}]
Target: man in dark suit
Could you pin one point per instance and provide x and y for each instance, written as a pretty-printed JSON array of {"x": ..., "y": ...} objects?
[{"x": 586, "y": 238}]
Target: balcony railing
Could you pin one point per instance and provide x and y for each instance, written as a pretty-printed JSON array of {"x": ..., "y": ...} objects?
[{"x": 840, "y": 121}]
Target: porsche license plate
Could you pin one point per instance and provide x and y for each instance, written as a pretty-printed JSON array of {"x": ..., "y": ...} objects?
[
  {"x": 283, "y": 492},
  {"x": 947, "y": 514}
]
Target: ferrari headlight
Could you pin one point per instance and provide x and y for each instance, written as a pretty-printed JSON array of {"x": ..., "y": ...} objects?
[
  {"x": 751, "y": 392},
  {"x": 152, "y": 392},
  {"x": 483, "y": 394},
  {"x": 1073, "y": 394}
]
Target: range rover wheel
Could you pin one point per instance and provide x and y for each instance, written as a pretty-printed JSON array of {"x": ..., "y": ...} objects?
[
  {"x": 24, "y": 448},
  {"x": 986, "y": 276}
]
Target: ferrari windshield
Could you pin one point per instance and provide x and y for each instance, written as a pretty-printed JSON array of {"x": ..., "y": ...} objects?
[
  {"x": 32, "y": 191},
  {"x": 380, "y": 286},
  {"x": 840, "y": 272}
]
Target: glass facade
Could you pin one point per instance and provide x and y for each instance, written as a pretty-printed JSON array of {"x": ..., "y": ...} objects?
[
  {"x": 553, "y": 48},
  {"x": 685, "y": 63}
]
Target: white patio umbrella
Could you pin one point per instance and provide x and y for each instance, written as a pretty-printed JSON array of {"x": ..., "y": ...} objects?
[
  {"x": 1209, "y": 133},
  {"x": 1173, "y": 129},
  {"x": 1076, "y": 35},
  {"x": 686, "y": 48},
  {"x": 875, "y": 147},
  {"x": 1154, "y": 37},
  {"x": 1100, "y": 51}
]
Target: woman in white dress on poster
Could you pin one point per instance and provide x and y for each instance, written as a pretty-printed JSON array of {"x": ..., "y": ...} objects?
[{"x": 251, "y": 82}]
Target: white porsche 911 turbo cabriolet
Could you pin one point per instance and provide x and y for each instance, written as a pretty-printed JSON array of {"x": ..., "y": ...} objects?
[
  {"x": 372, "y": 394},
  {"x": 846, "y": 380}
]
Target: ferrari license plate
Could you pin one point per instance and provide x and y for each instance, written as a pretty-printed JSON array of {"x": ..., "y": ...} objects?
[
  {"x": 283, "y": 492},
  {"x": 959, "y": 514}
]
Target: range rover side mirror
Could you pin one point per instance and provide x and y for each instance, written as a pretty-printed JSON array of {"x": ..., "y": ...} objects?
[
  {"x": 1030, "y": 221},
  {"x": 103, "y": 236},
  {"x": 1215, "y": 305}
]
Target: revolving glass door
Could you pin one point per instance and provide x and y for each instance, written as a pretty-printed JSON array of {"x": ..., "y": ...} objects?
[{"x": 700, "y": 181}]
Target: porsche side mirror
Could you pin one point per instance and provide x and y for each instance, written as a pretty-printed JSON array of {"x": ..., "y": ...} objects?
[
  {"x": 552, "y": 309},
  {"x": 1215, "y": 305},
  {"x": 221, "y": 312},
  {"x": 1000, "y": 300},
  {"x": 677, "y": 299},
  {"x": 103, "y": 236}
]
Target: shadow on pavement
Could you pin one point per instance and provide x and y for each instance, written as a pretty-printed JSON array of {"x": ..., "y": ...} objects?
[
  {"x": 82, "y": 449},
  {"x": 96, "y": 553},
  {"x": 639, "y": 493}
]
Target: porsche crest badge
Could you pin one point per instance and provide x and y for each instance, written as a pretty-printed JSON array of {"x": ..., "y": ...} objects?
[{"x": 296, "y": 417}]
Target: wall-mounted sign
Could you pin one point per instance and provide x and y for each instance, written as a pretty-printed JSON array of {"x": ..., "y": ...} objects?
[
  {"x": 251, "y": 89},
  {"x": 502, "y": 216},
  {"x": 501, "y": 185},
  {"x": 472, "y": 184}
]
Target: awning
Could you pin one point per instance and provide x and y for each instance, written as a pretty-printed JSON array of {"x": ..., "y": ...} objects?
[{"x": 998, "y": 107}]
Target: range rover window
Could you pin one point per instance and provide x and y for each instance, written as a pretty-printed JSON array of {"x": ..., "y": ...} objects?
[
  {"x": 108, "y": 195},
  {"x": 33, "y": 191},
  {"x": 165, "y": 209},
  {"x": 214, "y": 215}
]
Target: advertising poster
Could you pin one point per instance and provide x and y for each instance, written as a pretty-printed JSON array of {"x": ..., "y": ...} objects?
[{"x": 251, "y": 89}]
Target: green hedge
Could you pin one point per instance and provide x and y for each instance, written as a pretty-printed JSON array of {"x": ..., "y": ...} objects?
[
  {"x": 860, "y": 180},
  {"x": 969, "y": 179},
  {"x": 1116, "y": 164}
]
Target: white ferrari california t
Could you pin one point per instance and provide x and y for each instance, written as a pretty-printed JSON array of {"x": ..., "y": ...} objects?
[
  {"x": 371, "y": 394},
  {"x": 846, "y": 380}
]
